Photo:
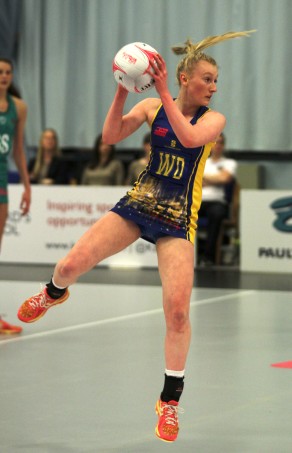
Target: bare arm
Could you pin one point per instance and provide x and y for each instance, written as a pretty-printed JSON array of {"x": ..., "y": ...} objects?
[
  {"x": 204, "y": 131},
  {"x": 19, "y": 155},
  {"x": 118, "y": 126}
]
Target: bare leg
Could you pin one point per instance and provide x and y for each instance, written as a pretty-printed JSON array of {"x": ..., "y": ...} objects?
[
  {"x": 106, "y": 237},
  {"x": 176, "y": 267},
  {"x": 3, "y": 218},
  {"x": 4, "y": 326}
]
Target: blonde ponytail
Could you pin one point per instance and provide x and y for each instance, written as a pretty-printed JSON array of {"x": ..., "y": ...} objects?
[{"x": 194, "y": 51}]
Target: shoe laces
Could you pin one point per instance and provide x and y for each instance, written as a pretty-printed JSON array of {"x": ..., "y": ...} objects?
[
  {"x": 171, "y": 412},
  {"x": 39, "y": 300}
]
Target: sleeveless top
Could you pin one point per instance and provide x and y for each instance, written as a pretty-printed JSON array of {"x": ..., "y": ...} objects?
[
  {"x": 8, "y": 122},
  {"x": 168, "y": 193}
]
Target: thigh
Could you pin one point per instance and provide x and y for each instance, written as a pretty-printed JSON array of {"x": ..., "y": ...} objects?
[
  {"x": 176, "y": 268},
  {"x": 106, "y": 237},
  {"x": 3, "y": 218}
]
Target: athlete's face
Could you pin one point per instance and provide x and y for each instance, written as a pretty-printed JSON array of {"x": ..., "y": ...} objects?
[
  {"x": 6, "y": 75},
  {"x": 201, "y": 83}
]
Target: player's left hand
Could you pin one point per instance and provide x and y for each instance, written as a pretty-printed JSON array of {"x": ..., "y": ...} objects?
[
  {"x": 158, "y": 71},
  {"x": 25, "y": 202}
]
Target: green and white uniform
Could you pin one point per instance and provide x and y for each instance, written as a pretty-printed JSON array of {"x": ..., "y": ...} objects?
[{"x": 8, "y": 122}]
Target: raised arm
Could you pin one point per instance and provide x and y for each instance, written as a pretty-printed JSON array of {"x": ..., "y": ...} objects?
[
  {"x": 204, "y": 131},
  {"x": 117, "y": 125}
]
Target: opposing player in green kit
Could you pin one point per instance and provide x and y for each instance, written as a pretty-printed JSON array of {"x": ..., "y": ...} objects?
[{"x": 12, "y": 120}]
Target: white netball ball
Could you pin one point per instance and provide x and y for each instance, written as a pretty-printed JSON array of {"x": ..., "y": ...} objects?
[{"x": 130, "y": 65}]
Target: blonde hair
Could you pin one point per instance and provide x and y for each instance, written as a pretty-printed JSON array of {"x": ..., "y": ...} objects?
[
  {"x": 40, "y": 152},
  {"x": 194, "y": 51}
]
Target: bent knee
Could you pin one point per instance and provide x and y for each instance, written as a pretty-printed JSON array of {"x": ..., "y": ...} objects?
[{"x": 67, "y": 268}]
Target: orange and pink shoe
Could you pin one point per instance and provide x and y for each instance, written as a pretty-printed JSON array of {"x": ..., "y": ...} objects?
[
  {"x": 167, "y": 426},
  {"x": 8, "y": 329},
  {"x": 36, "y": 306}
]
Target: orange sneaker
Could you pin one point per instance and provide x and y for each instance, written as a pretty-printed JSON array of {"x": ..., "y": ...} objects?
[
  {"x": 36, "y": 306},
  {"x": 8, "y": 329},
  {"x": 167, "y": 427}
]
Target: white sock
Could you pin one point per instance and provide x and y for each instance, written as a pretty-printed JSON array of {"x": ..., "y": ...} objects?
[
  {"x": 59, "y": 287},
  {"x": 174, "y": 373}
]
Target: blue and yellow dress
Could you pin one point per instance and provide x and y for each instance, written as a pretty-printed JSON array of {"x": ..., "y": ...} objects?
[
  {"x": 8, "y": 122},
  {"x": 167, "y": 195}
]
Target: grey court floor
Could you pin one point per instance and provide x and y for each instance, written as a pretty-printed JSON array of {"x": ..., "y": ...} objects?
[{"x": 85, "y": 377}]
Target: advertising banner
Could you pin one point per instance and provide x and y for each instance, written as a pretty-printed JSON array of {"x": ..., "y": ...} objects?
[
  {"x": 59, "y": 215},
  {"x": 266, "y": 231}
]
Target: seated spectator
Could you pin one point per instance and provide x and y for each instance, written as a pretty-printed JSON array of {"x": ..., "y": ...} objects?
[
  {"x": 104, "y": 169},
  {"x": 138, "y": 165},
  {"x": 218, "y": 174},
  {"x": 46, "y": 167}
]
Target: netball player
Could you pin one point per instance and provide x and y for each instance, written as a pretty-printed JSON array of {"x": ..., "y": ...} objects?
[
  {"x": 12, "y": 120},
  {"x": 162, "y": 207}
]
